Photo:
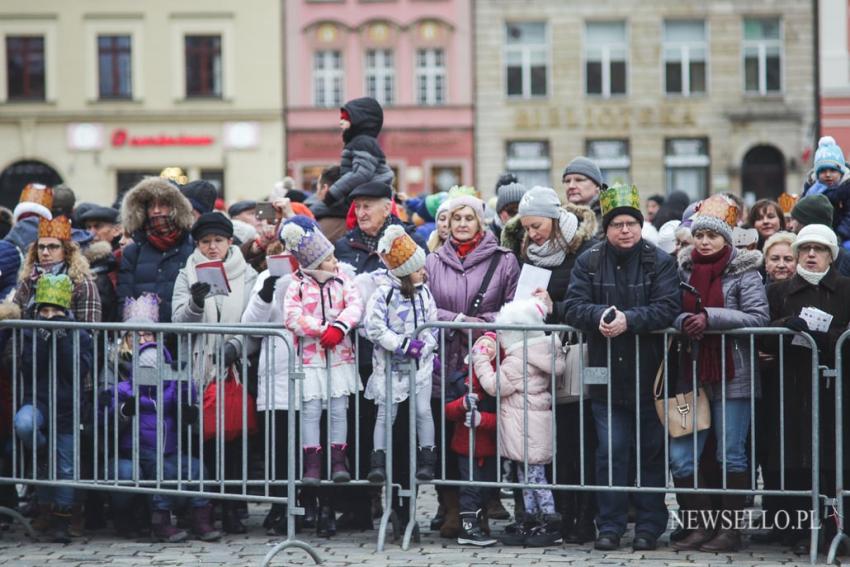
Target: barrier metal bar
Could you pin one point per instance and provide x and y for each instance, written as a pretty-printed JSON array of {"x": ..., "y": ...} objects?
[{"x": 840, "y": 492}]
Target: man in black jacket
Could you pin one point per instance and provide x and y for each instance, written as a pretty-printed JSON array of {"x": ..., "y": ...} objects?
[{"x": 619, "y": 289}]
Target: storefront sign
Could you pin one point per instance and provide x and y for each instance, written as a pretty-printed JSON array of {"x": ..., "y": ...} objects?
[
  {"x": 121, "y": 138},
  {"x": 603, "y": 117}
]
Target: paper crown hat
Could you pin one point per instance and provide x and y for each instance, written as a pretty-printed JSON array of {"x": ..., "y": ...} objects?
[
  {"x": 54, "y": 290},
  {"x": 787, "y": 202},
  {"x": 721, "y": 207},
  {"x": 35, "y": 198},
  {"x": 617, "y": 196},
  {"x": 400, "y": 253},
  {"x": 60, "y": 228},
  {"x": 144, "y": 309}
]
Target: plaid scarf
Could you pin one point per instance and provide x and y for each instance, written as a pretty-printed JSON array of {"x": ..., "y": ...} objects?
[
  {"x": 162, "y": 232},
  {"x": 372, "y": 241}
]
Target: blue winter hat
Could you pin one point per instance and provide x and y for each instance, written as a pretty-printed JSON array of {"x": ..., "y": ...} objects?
[{"x": 829, "y": 156}]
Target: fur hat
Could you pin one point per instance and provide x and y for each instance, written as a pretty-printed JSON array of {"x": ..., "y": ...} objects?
[
  {"x": 302, "y": 237},
  {"x": 59, "y": 228},
  {"x": 400, "y": 252},
  {"x": 35, "y": 198},
  {"x": 144, "y": 309},
  {"x": 54, "y": 290},
  {"x": 817, "y": 234},
  {"x": 829, "y": 156},
  {"x": 528, "y": 312}
]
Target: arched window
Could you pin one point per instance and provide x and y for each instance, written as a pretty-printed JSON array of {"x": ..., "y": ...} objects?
[{"x": 15, "y": 177}]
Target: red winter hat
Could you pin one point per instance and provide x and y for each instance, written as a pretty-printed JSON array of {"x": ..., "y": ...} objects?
[{"x": 343, "y": 115}]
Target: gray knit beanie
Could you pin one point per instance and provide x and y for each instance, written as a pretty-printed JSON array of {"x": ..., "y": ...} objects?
[
  {"x": 584, "y": 166},
  {"x": 714, "y": 224},
  {"x": 509, "y": 194},
  {"x": 540, "y": 202}
]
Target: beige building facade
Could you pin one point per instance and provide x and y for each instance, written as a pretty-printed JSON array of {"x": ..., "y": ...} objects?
[
  {"x": 96, "y": 94},
  {"x": 695, "y": 96}
]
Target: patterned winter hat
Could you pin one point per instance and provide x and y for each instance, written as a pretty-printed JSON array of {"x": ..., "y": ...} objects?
[
  {"x": 35, "y": 198},
  {"x": 302, "y": 237},
  {"x": 829, "y": 156},
  {"x": 619, "y": 199},
  {"x": 59, "y": 228},
  {"x": 145, "y": 309},
  {"x": 54, "y": 290},
  {"x": 400, "y": 253},
  {"x": 718, "y": 214}
]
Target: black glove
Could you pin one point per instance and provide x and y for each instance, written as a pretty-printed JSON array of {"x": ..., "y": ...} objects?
[
  {"x": 231, "y": 355},
  {"x": 199, "y": 291},
  {"x": 797, "y": 324},
  {"x": 128, "y": 408},
  {"x": 267, "y": 293},
  {"x": 190, "y": 414}
]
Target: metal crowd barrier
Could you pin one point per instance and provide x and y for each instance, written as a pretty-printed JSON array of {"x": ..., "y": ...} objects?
[
  {"x": 595, "y": 376},
  {"x": 100, "y": 424},
  {"x": 837, "y": 501}
]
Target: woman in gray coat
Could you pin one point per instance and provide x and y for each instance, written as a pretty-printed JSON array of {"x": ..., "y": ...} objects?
[{"x": 728, "y": 294}]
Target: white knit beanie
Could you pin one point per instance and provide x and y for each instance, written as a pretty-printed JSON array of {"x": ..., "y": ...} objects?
[{"x": 817, "y": 234}]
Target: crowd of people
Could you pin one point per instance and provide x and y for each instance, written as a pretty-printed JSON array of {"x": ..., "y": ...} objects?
[{"x": 370, "y": 267}]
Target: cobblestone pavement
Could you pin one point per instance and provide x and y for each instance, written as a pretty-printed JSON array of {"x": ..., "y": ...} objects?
[{"x": 353, "y": 548}]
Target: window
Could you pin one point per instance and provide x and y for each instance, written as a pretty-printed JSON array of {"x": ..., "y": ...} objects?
[
  {"x": 127, "y": 179},
  {"x": 216, "y": 177},
  {"x": 113, "y": 66},
  {"x": 762, "y": 56},
  {"x": 686, "y": 163},
  {"x": 612, "y": 157},
  {"x": 203, "y": 66},
  {"x": 25, "y": 67},
  {"x": 327, "y": 78},
  {"x": 605, "y": 58},
  {"x": 530, "y": 162},
  {"x": 444, "y": 177},
  {"x": 380, "y": 75},
  {"x": 526, "y": 52},
  {"x": 685, "y": 52},
  {"x": 430, "y": 77}
]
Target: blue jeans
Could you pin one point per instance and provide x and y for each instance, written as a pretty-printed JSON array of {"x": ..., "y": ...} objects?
[
  {"x": 651, "y": 512},
  {"x": 734, "y": 435},
  {"x": 147, "y": 465},
  {"x": 29, "y": 419}
]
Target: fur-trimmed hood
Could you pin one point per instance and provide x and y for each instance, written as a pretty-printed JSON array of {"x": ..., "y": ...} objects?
[
  {"x": 741, "y": 261},
  {"x": 98, "y": 252},
  {"x": 513, "y": 234},
  {"x": 9, "y": 310},
  {"x": 134, "y": 211},
  {"x": 78, "y": 268}
]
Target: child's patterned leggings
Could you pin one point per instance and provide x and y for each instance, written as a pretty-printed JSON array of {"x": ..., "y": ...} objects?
[{"x": 538, "y": 501}]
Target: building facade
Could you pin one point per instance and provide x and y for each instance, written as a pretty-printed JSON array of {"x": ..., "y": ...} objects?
[
  {"x": 834, "y": 44},
  {"x": 98, "y": 94},
  {"x": 670, "y": 95},
  {"x": 413, "y": 56}
]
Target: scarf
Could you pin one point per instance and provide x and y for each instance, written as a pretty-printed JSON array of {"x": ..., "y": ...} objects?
[
  {"x": 372, "y": 241},
  {"x": 162, "y": 232},
  {"x": 465, "y": 248},
  {"x": 813, "y": 278},
  {"x": 551, "y": 253},
  {"x": 707, "y": 278}
]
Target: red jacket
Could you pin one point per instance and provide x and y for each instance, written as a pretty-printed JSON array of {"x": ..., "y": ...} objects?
[{"x": 485, "y": 433}]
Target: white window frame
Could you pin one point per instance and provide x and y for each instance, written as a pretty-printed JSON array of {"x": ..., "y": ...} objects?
[
  {"x": 383, "y": 74},
  {"x": 612, "y": 163},
  {"x": 762, "y": 45},
  {"x": 687, "y": 162},
  {"x": 182, "y": 27},
  {"x": 525, "y": 55},
  {"x": 47, "y": 28},
  {"x": 522, "y": 164},
  {"x": 429, "y": 73},
  {"x": 685, "y": 53},
  {"x": 328, "y": 76},
  {"x": 133, "y": 28},
  {"x": 606, "y": 60}
]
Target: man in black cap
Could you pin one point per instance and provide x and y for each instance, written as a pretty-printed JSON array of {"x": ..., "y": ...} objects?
[
  {"x": 102, "y": 223},
  {"x": 245, "y": 211},
  {"x": 202, "y": 194}
]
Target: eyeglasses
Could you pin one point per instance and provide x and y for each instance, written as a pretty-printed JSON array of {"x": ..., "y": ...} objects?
[
  {"x": 48, "y": 247},
  {"x": 806, "y": 248},
  {"x": 627, "y": 224}
]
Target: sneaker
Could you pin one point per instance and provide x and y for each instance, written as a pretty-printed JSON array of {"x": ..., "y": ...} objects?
[
  {"x": 202, "y": 525},
  {"x": 471, "y": 532},
  {"x": 162, "y": 530},
  {"x": 547, "y": 533}
]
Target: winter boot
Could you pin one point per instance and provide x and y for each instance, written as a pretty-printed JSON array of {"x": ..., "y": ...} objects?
[
  {"x": 78, "y": 521},
  {"x": 451, "y": 525},
  {"x": 440, "y": 516},
  {"x": 495, "y": 509},
  {"x": 162, "y": 530},
  {"x": 697, "y": 504},
  {"x": 339, "y": 463},
  {"x": 326, "y": 521},
  {"x": 312, "y": 466},
  {"x": 230, "y": 521},
  {"x": 584, "y": 529},
  {"x": 311, "y": 511},
  {"x": 547, "y": 533},
  {"x": 60, "y": 522},
  {"x": 378, "y": 467},
  {"x": 516, "y": 533},
  {"x": 727, "y": 541},
  {"x": 272, "y": 522},
  {"x": 470, "y": 530},
  {"x": 41, "y": 521},
  {"x": 426, "y": 458},
  {"x": 202, "y": 525}
]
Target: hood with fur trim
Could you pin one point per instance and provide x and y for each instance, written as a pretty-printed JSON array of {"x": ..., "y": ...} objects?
[
  {"x": 134, "y": 205},
  {"x": 741, "y": 261},
  {"x": 9, "y": 310},
  {"x": 98, "y": 252},
  {"x": 513, "y": 234}
]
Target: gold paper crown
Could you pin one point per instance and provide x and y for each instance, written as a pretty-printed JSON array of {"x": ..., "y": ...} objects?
[
  {"x": 55, "y": 290},
  {"x": 38, "y": 194},
  {"x": 721, "y": 207},
  {"x": 787, "y": 202},
  {"x": 60, "y": 228},
  {"x": 619, "y": 195},
  {"x": 174, "y": 174}
]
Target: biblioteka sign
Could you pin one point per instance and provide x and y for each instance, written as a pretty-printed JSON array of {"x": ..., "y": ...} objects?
[{"x": 121, "y": 138}]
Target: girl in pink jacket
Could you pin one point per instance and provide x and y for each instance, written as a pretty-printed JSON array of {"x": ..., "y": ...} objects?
[
  {"x": 532, "y": 352},
  {"x": 321, "y": 306}
]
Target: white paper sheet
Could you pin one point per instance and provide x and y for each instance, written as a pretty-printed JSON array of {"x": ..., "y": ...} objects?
[
  {"x": 816, "y": 319},
  {"x": 531, "y": 278},
  {"x": 213, "y": 273},
  {"x": 281, "y": 264}
]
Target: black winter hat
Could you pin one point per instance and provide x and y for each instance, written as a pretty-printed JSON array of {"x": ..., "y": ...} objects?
[
  {"x": 98, "y": 213},
  {"x": 813, "y": 209},
  {"x": 373, "y": 189},
  {"x": 202, "y": 194},
  {"x": 240, "y": 207},
  {"x": 212, "y": 223}
]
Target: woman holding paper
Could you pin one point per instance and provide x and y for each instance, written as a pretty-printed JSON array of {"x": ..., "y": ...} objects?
[
  {"x": 216, "y": 263},
  {"x": 813, "y": 301}
]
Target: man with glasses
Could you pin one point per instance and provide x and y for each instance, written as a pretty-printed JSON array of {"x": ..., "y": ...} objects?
[{"x": 621, "y": 288}]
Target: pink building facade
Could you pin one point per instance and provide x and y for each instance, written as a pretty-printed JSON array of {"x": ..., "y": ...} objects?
[{"x": 413, "y": 56}]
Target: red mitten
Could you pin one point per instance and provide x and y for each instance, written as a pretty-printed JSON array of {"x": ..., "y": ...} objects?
[{"x": 331, "y": 337}]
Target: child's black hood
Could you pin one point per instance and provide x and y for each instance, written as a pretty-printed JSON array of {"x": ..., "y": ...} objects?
[{"x": 367, "y": 118}]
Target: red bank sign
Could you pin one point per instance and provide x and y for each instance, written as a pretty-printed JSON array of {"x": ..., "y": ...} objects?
[{"x": 121, "y": 138}]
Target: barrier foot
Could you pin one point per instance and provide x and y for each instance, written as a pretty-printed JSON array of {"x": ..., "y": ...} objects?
[
  {"x": 813, "y": 549},
  {"x": 306, "y": 547},
  {"x": 831, "y": 559},
  {"x": 410, "y": 533},
  {"x": 15, "y": 515},
  {"x": 388, "y": 516}
]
